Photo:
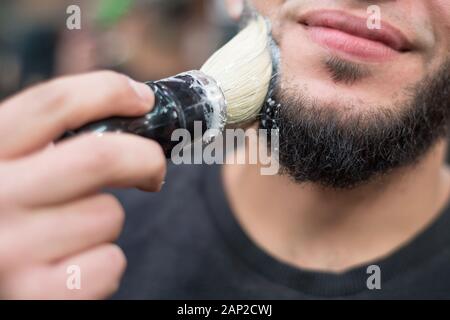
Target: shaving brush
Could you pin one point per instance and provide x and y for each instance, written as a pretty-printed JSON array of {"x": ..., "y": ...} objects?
[
  {"x": 230, "y": 88},
  {"x": 243, "y": 70}
]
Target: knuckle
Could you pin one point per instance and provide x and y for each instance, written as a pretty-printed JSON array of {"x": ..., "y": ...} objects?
[
  {"x": 114, "y": 286},
  {"x": 57, "y": 94},
  {"x": 155, "y": 171},
  {"x": 12, "y": 246},
  {"x": 8, "y": 192},
  {"x": 158, "y": 157},
  {"x": 108, "y": 74},
  {"x": 159, "y": 163},
  {"x": 4, "y": 197},
  {"x": 24, "y": 284},
  {"x": 96, "y": 155},
  {"x": 112, "y": 261},
  {"x": 118, "y": 85},
  {"x": 117, "y": 257},
  {"x": 6, "y": 254},
  {"x": 112, "y": 210},
  {"x": 53, "y": 95},
  {"x": 116, "y": 263},
  {"x": 113, "y": 79}
]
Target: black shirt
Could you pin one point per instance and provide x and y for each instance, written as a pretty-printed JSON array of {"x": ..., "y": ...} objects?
[{"x": 184, "y": 243}]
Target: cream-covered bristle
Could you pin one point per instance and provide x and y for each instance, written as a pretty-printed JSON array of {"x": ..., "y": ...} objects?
[{"x": 243, "y": 69}]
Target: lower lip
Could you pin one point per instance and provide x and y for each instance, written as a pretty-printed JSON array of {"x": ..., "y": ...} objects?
[{"x": 351, "y": 46}]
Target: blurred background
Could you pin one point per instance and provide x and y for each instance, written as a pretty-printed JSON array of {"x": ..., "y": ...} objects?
[{"x": 146, "y": 39}]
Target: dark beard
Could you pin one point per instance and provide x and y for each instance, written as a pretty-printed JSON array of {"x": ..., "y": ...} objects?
[
  {"x": 342, "y": 71},
  {"x": 318, "y": 144}
]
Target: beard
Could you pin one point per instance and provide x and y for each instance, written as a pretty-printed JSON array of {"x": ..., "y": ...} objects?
[{"x": 323, "y": 144}]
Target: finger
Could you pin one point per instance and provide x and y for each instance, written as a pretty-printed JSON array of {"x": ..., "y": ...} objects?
[
  {"x": 82, "y": 166},
  {"x": 51, "y": 234},
  {"x": 32, "y": 119},
  {"x": 93, "y": 274}
]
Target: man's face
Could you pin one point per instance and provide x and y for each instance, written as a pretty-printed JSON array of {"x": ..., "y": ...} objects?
[
  {"x": 358, "y": 102},
  {"x": 321, "y": 58}
]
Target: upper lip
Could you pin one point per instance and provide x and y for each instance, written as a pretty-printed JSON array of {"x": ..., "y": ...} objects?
[{"x": 357, "y": 26}]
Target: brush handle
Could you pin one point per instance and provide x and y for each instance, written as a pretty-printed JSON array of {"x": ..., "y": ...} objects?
[{"x": 180, "y": 102}]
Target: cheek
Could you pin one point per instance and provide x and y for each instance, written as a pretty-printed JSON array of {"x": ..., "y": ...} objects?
[
  {"x": 441, "y": 15},
  {"x": 442, "y": 7}
]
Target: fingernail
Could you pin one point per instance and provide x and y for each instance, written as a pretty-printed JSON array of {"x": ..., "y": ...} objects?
[{"x": 143, "y": 91}]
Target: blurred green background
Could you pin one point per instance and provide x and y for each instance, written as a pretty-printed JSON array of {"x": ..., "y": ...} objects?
[{"x": 146, "y": 39}]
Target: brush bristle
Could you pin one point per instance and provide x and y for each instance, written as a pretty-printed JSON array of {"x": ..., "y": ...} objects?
[{"x": 243, "y": 69}]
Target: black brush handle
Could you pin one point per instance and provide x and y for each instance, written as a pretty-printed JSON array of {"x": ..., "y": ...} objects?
[{"x": 179, "y": 102}]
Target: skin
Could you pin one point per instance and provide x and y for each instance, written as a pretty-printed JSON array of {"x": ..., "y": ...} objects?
[
  {"x": 312, "y": 227},
  {"x": 52, "y": 213}
]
